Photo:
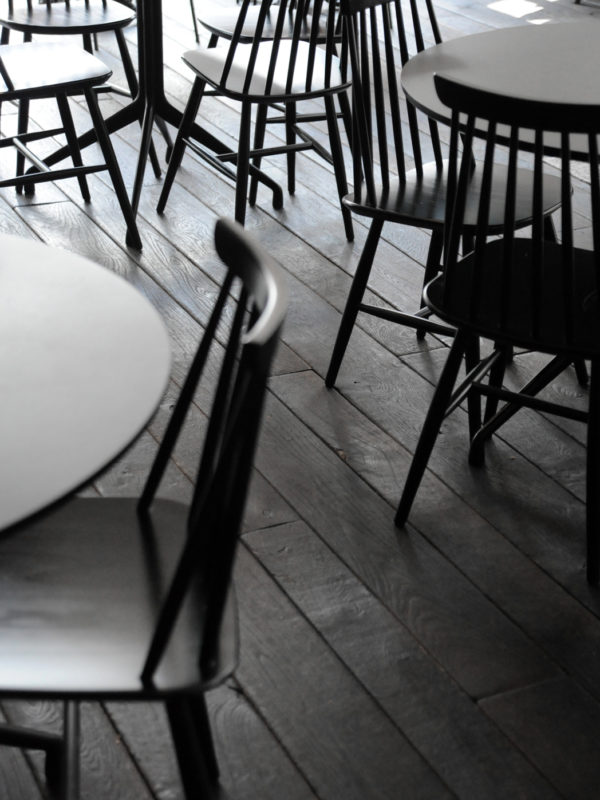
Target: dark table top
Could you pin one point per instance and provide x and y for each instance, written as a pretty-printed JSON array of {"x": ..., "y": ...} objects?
[{"x": 84, "y": 361}]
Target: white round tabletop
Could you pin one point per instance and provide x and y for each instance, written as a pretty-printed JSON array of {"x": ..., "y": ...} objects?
[
  {"x": 553, "y": 62},
  {"x": 84, "y": 361}
]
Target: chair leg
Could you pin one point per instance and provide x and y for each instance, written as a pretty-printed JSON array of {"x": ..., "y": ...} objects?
[
  {"x": 534, "y": 386},
  {"x": 202, "y": 724},
  {"x": 197, "y": 781},
  {"x": 579, "y": 364},
  {"x": 185, "y": 127},
  {"x": 357, "y": 290},
  {"x": 431, "y": 426},
  {"x": 133, "y": 236},
  {"x": 593, "y": 477},
  {"x": 346, "y": 112},
  {"x": 243, "y": 164},
  {"x": 260, "y": 127},
  {"x": 339, "y": 168},
  {"x": 549, "y": 229},
  {"x": 496, "y": 377},
  {"x": 432, "y": 266},
  {"x": 290, "y": 140},
  {"x": 472, "y": 359},
  {"x": 71, "y": 135},
  {"x": 581, "y": 372},
  {"x": 22, "y": 126}
]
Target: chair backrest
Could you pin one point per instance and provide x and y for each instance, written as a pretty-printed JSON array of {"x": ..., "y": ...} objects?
[
  {"x": 241, "y": 334},
  {"x": 381, "y": 35},
  {"x": 554, "y": 284},
  {"x": 221, "y": 21},
  {"x": 296, "y": 56},
  {"x": 32, "y": 4}
]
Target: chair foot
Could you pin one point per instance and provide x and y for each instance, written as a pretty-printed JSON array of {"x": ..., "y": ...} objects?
[{"x": 477, "y": 453}]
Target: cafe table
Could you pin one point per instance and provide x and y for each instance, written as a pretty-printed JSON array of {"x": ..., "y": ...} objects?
[
  {"x": 84, "y": 362},
  {"x": 554, "y": 61}
]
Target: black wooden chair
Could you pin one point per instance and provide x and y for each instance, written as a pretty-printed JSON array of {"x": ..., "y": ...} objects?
[
  {"x": 85, "y": 18},
  {"x": 125, "y": 599},
  {"x": 260, "y": 72},
  {"x": 38, "y": 71},
  {"x": 518, "y": 291},
  {"x": 221, "y": 21},
  {"x": 400, "y": 175}
]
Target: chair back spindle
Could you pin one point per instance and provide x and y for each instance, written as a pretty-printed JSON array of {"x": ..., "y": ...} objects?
[{"x": 250, "y": 308}]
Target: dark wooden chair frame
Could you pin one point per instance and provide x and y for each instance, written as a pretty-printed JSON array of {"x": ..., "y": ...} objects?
[
  {"x": 188, "y": 606},
  {"x": 517, "y": 291},
  {"x": 380, "y": 37},
  {"x": 248, "y": 158}
]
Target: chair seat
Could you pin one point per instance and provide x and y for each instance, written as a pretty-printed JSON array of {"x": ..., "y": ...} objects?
[
  {"x": 79, "y": 597},
  {"x": 552, "y": 335},
  {"x": 77, "y": 17},
  {"x": 221, "y": 21},
  {"x": 420, "y": 201},
  {"x": 208, "y": 64},
  {"x": 65, "y": 67}
]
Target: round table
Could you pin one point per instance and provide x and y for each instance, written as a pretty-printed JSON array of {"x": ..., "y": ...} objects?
[
  {"x": 557, "y": 61},
  {"x": 84, "y": 361}
]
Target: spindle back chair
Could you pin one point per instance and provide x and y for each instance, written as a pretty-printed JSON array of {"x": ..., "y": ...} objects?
[{"x": 519, "y": 290}]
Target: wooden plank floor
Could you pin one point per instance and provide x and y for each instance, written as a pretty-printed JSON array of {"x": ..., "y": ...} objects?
[{"x": 459, "y": 657}]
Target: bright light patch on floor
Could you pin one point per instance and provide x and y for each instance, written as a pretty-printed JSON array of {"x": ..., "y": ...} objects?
[{"x": 515, "y": 8}]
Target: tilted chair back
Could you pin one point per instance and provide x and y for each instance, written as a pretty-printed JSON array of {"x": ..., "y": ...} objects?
[
  {"x": 265, "y": 71},
  {"x": 129, "y": 598},
  {"x": 400, "y": 159},
  {"x": 543, "y": 294},
  {"x": 519, "y": 290}
]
